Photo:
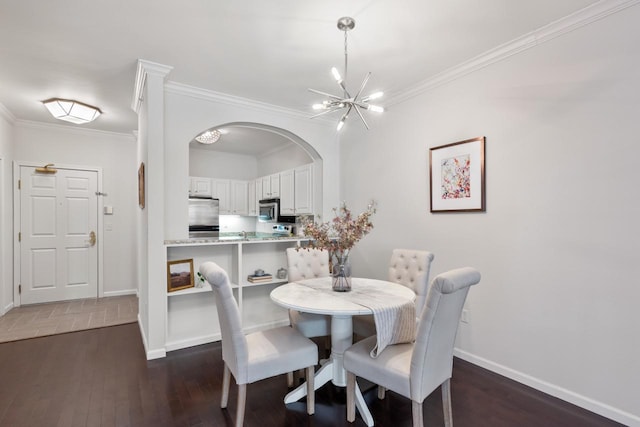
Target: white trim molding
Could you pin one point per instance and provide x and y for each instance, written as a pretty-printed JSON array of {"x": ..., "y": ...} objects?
[
  {"x": 589, "y": 14},
  {"x": 4, "y": 112},
  {"x": 144, "y": 68},
  {"x": 554, "y": 390},
  {"x": 108, "y": 294},
  {"x": 71, "y": 129},
  {"x": 232, "y": 100}
]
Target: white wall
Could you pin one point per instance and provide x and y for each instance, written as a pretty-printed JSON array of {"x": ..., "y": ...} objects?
[
  {"x": 558, "y": 245},
  {"x": 189, "y": 110},
  {"x": 283, "y": 159},
  {"x": 116, "y": 155},
  {"x": 215, "y": 164},
  {"x": 6, "y": 211}
]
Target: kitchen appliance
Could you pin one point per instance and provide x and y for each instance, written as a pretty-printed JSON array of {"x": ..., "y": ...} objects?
[
  {"x": 269, "y": 211},
  {"x": 204, "y": 217}
]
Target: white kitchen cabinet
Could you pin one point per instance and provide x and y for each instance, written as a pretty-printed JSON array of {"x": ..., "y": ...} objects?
[
  {"x": 303, "y": 190},
  {"x": 287, "y": 192},
  {"x": 271, "y": 186},
  {"x": 238, "y": 196},
  {"x": 199, "y": 186},
  {"x": 220, "y": 190},
  {"x": 296, "y": 191},
  {"x": 252, "y": 198}
]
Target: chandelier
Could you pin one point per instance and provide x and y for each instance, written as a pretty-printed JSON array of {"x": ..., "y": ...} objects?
[{"x": 351, "y": 103}]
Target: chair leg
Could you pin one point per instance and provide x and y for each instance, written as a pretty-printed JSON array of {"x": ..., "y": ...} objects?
[
  {"x": 416, "y": 410},
  {"x": 226, "y": 377},
  {"x": 311, "y": 394},
  {"x": 351, "y": 397},
  {"x": 242, "y": 400},
  {"x": 381, "y": 392},
  {"x": 446, "y": 403},
  {"x": 289, "y": 379}
]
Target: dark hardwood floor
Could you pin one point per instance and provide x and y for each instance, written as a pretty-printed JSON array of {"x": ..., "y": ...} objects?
[{"x": 100, "y": 378}]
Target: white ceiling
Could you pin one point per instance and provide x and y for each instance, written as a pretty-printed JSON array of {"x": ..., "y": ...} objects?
[{"x": 270, "y": 51}]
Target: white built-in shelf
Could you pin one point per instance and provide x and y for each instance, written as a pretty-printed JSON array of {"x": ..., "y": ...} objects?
[
  {"x": 272, "y": 282},
  {"x": 205, "y": 288}
]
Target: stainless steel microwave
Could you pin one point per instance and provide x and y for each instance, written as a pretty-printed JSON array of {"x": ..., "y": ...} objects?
[{"x": 269, "y": 211}]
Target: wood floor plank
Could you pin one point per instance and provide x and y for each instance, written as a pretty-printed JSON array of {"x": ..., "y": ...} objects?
[{"x": 101, "y": 377}]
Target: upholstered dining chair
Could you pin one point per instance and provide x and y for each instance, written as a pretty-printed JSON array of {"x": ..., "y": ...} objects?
[
  {"x": 414, "y": 370},
  {"x": 258, "y": 355},
  {"x": 308, "y": 263},
  {"x": 409, "y": 268}
]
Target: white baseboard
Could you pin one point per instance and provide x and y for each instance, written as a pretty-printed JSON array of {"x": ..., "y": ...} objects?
[
  {"x": 153, "y": 354},
  {"x": 120, "y": 293},
  {"x": 191, "y": 342},
  {"x": 7, "y": 308},
  {"x": 587, "y": 403},
  {"x": 206, "y": 339}
]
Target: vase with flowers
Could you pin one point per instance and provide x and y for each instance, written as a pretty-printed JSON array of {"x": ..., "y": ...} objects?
[{"x": 338, "y": 237}]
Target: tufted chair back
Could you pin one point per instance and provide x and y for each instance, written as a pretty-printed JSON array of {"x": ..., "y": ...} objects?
[
  {"x": 307, "y": 263},
  {"x": 411, "y": 269}
]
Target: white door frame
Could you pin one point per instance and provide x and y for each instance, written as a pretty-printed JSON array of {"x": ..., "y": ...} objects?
[{"x": 17, "y": 217}]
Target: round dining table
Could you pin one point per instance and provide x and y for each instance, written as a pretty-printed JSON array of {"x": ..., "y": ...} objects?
[{"x": 316, "y": 296}]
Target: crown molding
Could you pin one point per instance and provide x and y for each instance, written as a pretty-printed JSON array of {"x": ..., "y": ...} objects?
[
  {"x": 145, "y": 68},
  {"x": 588, "y": 15},
  {"x": 28, "y": 124},
  {"x": 4, "y": 112},
  {"x": 232, "y": 100}
]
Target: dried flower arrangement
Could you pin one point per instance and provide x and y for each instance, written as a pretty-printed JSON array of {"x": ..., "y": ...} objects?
[{"x": 339, "y": 235}]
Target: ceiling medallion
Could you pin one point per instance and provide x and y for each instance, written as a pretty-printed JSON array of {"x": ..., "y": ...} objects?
[{"x": 351, "y": 103}]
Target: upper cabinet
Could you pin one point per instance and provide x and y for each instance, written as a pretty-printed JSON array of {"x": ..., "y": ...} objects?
[
  {"x": 287, "y": 195},
  {"x": 303, "y": 194},
  {"x": 220, "y": 190},
  {"x": 271, "y": 186},
  {"x": 233, "y": 196},
  {"x": 199, "y": 186},
  {"x": 296, "y": 191},
  {"x": 239, "y": 201},
  {"x": 252, "y": 198}
]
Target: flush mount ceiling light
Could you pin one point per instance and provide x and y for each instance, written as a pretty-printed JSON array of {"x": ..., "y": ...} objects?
[
  {"x": 355, "y": 103},
  {"x": 209, "y": 137},
  {"x": 71, "y": 111}
]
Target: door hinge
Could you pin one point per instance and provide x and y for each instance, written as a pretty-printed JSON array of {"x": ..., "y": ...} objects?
[
  {"x": 19, "y": 184},
  {"x": 19, "y": 236},
  {"x": 19, "y": 289}
]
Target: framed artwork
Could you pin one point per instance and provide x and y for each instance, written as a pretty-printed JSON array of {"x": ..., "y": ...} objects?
[
  {"x": 179, "y": 274},
  {"x": 456, "y": 174},
  {"x": 141, "y": 186}
]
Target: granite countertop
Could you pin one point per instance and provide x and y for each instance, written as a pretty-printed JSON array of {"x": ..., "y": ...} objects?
[{"x": 251, "y": 236}]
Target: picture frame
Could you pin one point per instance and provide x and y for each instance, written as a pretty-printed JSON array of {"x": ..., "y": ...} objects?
[
  {"x": 179, "y": 275},
  {"x": 457, "y": 176},
  {"x": 141, "y": 186}
]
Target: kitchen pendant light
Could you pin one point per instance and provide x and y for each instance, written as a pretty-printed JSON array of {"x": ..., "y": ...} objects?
[
  {"x": 335, "y": 103},
  {"x": 209, "y": 137},
  {"x": 72, "y": 111}
]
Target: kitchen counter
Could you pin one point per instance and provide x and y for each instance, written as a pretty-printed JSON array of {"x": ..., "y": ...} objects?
[{"x": 237, "y": 237}]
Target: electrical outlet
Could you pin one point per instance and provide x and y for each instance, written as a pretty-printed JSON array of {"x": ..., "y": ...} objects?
[{"x": 465, "y": 316}]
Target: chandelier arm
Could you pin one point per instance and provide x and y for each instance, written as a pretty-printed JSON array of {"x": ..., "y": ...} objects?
[
  {"x": 344, "y": 88},
  {"x": 364, "y": 83},
  {"x": 361, "y": 116},
  {"x": 326, "y": 112},
  {"x": 337, "y": 98},
  {"x": 346, "y": 114}
]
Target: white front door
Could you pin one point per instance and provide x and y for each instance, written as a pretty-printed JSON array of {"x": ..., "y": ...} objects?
[{"x": 58, "y": 229}]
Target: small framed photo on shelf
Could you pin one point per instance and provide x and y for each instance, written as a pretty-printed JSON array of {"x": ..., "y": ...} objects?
[
  {"x": 179, "y": 275},
  {"x": 456, "y": 173}
]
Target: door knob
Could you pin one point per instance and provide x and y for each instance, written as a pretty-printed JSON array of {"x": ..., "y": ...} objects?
[{"x": 92, "y": 238}]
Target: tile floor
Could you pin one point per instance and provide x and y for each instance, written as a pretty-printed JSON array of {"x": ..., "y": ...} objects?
[{"x": 39, "y": 320}]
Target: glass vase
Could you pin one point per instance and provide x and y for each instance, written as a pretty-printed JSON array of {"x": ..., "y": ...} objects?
[{"x": 341, "y": 273}]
